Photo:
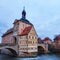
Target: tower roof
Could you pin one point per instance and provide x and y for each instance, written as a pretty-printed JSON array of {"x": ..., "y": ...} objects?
[
  {"x": 24, "y": 13},
  {"x": 23, "y": 19}
]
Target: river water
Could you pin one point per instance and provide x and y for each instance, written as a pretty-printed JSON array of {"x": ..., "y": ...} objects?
[{"x": 40, "y": 57}]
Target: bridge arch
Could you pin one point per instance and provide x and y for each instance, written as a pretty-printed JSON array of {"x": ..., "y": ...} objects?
[
  {"x": 14, "y": 53},
  {"x": 41, "y": 49}
]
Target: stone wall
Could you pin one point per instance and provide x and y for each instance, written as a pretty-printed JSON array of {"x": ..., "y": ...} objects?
[{"x": 7, "y": 39}]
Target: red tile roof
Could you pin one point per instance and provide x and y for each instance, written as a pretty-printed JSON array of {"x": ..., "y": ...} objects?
[
  {"x": 26, "y": 30},
  {"x": 46, "y": 39},
  {"x": 57, "y": 37}
]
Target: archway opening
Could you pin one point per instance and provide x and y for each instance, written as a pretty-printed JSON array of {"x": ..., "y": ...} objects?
[
  {"x": 14, "y": 53},
  {"x": 15, "y": 40},
  {"x": 40, "y": 49}
]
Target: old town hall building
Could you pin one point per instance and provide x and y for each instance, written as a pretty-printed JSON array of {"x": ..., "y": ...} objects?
[{"x": 23, "y": 34}]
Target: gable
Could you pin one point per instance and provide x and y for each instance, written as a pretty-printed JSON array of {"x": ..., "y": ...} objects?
[{"x": 33, "y": 32}]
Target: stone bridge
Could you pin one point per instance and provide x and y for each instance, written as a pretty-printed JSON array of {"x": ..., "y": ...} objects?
[
  {"x": 13, "y": 50},
  {"x": 10, "y": 49},
  {"x": 43, "y": 48}
]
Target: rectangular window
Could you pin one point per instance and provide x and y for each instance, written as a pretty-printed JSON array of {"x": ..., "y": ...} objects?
[
  {"x": 20, "y": 37},
  {"x": 32, "y": 37},
  {"x": 32, "y": 48},
  {"x": 33, "y": 42},
  {"x": 29, "y": 37},
  {"x": 23, "y": 25}
]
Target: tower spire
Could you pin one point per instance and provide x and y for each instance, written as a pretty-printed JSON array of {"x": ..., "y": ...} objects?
[{"x": 23, "y": 13}]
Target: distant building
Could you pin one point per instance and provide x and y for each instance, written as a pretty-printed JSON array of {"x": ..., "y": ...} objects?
[
  {"x": 57, "y": 41},
  {"x": 53, "y": 44},
  {"x": 47, "y": 40},
  {"x": 23, "y": 33},
  {"x": 40, "y": 41}
]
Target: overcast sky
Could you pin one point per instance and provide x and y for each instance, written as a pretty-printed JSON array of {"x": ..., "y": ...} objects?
[{"x": 43, "y": 14}]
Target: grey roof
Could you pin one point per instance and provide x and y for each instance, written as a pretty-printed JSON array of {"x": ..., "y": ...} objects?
[
  {"x": 25, "y": 21},
  {"x": 7, "y": 32}
]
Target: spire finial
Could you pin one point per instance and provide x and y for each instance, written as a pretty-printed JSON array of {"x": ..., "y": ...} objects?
[{"x": 23, "y": 13}]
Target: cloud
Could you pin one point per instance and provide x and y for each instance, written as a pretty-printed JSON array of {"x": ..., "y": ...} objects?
[
  {"x": 49, "y": 28},
  {"x": 3, "y": 28}
]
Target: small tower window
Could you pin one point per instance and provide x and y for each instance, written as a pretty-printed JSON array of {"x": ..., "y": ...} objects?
[{"x": 23, "y": 25}]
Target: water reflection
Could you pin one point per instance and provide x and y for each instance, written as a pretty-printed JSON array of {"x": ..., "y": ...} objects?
[{"x": 41, "y": 57}]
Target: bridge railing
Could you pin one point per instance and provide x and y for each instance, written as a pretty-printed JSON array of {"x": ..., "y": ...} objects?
[
  {"x": 9, "y": 44},
  {"x": 43, "y": 44}
]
